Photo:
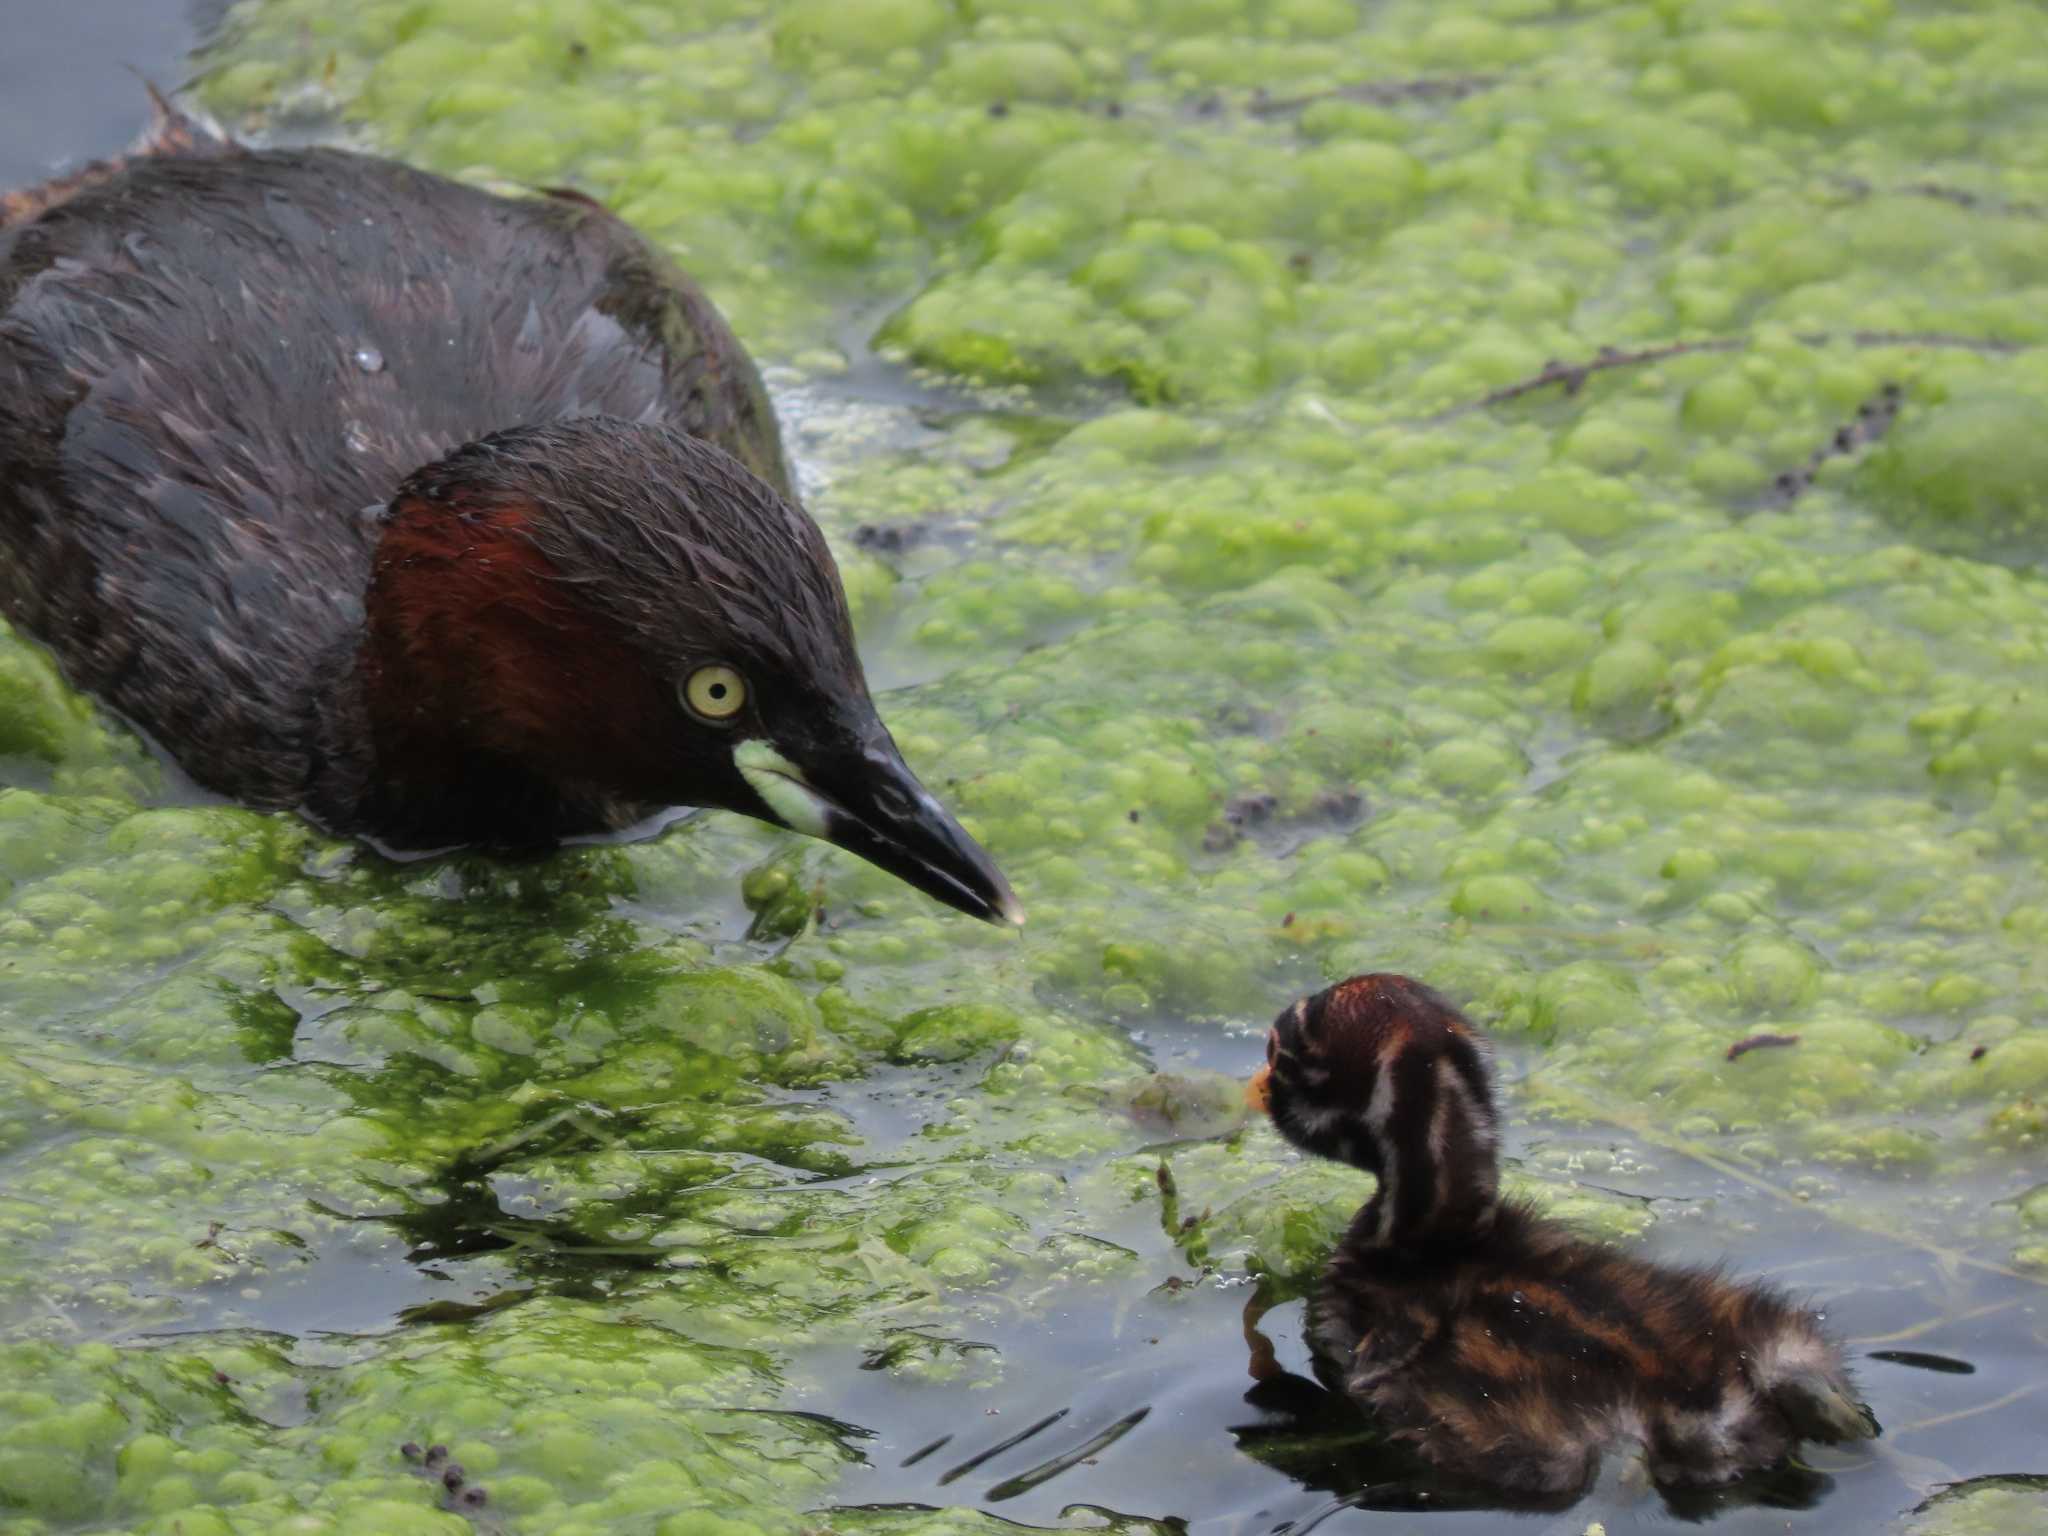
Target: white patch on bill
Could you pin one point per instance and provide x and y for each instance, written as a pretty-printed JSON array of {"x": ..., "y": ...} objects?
[{"x": 780, "y": 784}]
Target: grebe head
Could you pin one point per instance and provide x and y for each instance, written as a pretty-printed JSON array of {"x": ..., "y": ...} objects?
[
  {"x": 1382, "y": 1073},
  {"x": 629, "y": 615}
]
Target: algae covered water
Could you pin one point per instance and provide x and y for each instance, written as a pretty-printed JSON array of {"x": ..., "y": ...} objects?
[{"x": 1549, "y": 497}]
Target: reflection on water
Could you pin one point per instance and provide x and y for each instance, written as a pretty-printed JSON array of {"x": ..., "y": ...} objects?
[
  {"x": 1140, "y": 1397},
  {"x": 1143, "y": 1400},
  {"x": 1156, "y": 1415},
  {"x": 1154, "y": 1397}
]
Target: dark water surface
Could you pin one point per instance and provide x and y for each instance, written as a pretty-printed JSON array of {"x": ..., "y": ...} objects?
[
  {"x": 68, "y": 86},
  {"x": 1138, "y": 1401},
  {"x": 1134, "y": 1400}
]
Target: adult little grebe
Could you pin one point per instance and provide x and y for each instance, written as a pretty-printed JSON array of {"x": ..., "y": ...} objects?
[
  {"x": 1504, "y": 1349},
  {"x": 445, "y": 517}
]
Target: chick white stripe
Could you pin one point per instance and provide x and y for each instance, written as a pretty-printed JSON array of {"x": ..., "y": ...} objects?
[{"x": 1379, "y": 1110}]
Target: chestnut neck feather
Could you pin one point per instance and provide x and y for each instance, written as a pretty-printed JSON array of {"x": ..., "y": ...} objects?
[{"x": 486, "y": 683}]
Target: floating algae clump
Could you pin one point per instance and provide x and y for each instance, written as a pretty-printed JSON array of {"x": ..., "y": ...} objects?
[
  {"x": 1982, "y": 1506},
  {"x": 1971, "y": 474},
  {"x": 1318, "y": 495}
]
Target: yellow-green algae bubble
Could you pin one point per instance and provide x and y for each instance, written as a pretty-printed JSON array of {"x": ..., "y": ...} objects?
[
  {"x": 1983, "y": 1506},
  {"x": 1253, "y": 655}
]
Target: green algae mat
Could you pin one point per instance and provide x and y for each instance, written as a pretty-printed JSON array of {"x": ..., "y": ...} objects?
[{"x": 1548, "y": 496}]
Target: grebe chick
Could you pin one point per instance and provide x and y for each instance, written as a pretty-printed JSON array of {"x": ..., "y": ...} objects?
[
  {"x": 1504, "y": 1349},
  {"x": 443, "y": 517}
]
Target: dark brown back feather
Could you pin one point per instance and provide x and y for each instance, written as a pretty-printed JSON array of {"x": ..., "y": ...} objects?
[{"x": 211, "y": 361}]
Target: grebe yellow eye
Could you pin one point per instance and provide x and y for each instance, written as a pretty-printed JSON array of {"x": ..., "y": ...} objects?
[{"x": 715, "y": 692}]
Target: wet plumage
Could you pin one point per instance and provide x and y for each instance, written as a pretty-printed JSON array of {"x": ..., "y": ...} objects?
[
  {"x": 1505, "y": 1349},
  {"x": 415, "y": 507}
]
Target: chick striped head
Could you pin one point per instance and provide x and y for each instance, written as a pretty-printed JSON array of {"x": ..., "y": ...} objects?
[{"x": 1382, "y": 1073}]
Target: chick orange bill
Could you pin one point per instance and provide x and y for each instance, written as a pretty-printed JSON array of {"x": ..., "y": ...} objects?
[{"x": 1258, "y": 1091}]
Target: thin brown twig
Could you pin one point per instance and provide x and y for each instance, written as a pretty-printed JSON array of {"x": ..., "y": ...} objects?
[
  {"x": 1379, "y": 93},
  {"x": 1261, "y": 1364},
  {"x": 1919, "y": 1330},
  {"x": 1573, "y": 376},
  {"x": 1948, "y": 340},
  {"x": 1758, "y": 1043},
  {"x": 1967, "y": 1413},
  {"x": 1941, "y": 192},
  {"x": 1874, "y": 418}
]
